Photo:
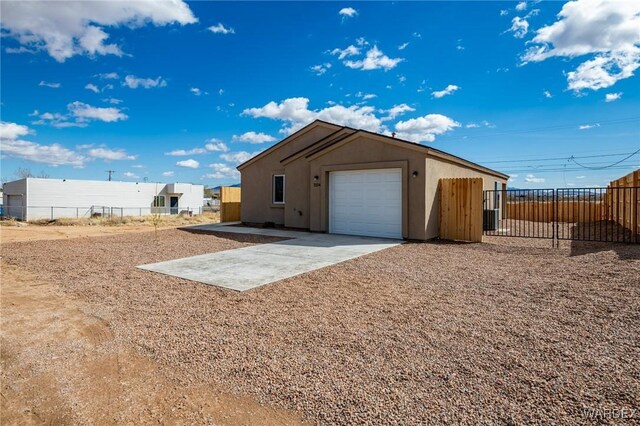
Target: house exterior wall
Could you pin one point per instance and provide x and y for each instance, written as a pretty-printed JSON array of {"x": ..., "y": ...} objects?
[
  {"x": 14, "y": 198},
  {"x": 367, "y": 153},
  {"x": 307, "y": 199},
  {"x": 438, "y": 168},
  {"x": 256, "y": 180},
  {"x": 74, "y": 198}
]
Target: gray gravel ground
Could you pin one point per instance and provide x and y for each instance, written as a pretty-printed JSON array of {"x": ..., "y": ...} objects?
[{"x": 510, "y": 331}]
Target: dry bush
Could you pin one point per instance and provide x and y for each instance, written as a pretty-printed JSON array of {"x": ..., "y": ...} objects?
[{"x": 165, "y": 220}]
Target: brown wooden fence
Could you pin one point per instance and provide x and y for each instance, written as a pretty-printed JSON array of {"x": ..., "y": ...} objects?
[
  {"x": 621, "y": 203},
  {"x": 568, "y": 211},
  {"x": 229, "y": 204},
  {"x": 461, "y": 209}
]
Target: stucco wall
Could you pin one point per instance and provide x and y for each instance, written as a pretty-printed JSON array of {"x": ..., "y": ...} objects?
[
  {"x": 435, "y": 170},
  {"x": 306, "y": 200},
  {"x": 256, "y": 179},
  {"x": 367, "y": 153}
]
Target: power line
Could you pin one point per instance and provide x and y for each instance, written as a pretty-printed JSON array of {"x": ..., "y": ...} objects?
[
  {"x": 554, "y": 159},
  {"x": 604, "y": 167},
  {"x": 557, "y": 127}
]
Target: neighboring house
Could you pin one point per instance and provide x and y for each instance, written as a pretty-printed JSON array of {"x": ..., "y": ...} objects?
[
  {"x": 34, "y": 198},
  {"x": 330, "y": 178}
]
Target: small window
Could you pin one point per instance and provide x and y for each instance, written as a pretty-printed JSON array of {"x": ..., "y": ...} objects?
[
  {"x": 278, "y": 189},
  {"x": 158, "y": 201}
]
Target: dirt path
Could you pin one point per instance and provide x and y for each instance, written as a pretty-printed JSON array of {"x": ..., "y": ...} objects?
[
  {"x": 61, "y": 365},
  {"x": 15, "y": 234}
]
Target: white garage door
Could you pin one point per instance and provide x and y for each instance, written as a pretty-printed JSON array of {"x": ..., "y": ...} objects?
[{"x": 366, "y": 202}]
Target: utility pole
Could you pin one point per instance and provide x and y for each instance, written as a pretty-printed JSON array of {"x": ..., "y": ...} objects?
[{"x": 110, "y": 173}]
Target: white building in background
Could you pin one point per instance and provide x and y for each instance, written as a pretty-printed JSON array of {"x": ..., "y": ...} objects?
[{"x": 34, "y": 198}]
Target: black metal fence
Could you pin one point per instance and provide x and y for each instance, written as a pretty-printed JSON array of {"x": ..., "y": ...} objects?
[{"x": 579, "y": 214}]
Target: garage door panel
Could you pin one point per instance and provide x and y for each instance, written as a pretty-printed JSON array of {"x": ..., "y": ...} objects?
[{"x": 366, "y": 202}]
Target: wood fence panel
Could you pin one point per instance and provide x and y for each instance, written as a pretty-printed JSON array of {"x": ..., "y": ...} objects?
[
  {"x": 623, "y": 202},
  {"x": 229, "y": 204},
  {"x": 461, "y": 209}
]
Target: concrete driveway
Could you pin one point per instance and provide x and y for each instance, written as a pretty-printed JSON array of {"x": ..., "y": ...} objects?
[{"x": 249, "y": 267}]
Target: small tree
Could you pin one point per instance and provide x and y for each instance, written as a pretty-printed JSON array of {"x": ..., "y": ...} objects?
[
  {"x": 156, "y": 214},
  {"x": 23, "y": 172}
]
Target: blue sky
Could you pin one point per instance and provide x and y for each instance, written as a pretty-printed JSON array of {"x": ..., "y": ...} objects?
[{"x": 185, "y": 91}]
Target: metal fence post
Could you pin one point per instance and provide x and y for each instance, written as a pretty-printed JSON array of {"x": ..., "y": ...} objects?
[{"x": 51, "y": 212}]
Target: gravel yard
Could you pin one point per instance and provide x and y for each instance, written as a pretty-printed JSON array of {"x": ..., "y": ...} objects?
[{"x": 510, "y": 331}]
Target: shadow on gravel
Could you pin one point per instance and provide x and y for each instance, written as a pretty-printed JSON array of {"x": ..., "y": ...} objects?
[
  {"x": 241, "y": 238},
  {"x": 625, "y": 251}
]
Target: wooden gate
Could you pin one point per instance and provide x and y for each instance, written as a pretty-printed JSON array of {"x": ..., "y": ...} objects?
[
  {"x": 461, "y": 209},
  {"x": 229, "y": 204}
]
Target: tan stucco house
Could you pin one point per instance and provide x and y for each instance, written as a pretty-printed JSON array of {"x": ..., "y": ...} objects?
[{"x": 331, "y": 178}]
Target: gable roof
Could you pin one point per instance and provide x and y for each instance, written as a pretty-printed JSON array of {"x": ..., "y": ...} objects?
[
  {"x": 288, "y": 139},
  {"x": 317, "y": 148}
]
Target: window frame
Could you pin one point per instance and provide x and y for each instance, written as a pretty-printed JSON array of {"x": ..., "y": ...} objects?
[
  {"x": 273, "y": 189},
  {"x": 164, "y": 201}
]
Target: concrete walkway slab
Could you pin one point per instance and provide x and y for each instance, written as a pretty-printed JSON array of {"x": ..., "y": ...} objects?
[{"x": 249, "y": 267}]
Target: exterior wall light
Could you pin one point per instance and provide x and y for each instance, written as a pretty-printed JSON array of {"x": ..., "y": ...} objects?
[
  {"x": 415, "y": 174},
  {"x": 315, "y": 178}
]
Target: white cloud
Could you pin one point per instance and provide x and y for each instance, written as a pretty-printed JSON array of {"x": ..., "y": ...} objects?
[
  {"x": 504, "y": 12},
  {"x": 21, "y": 49},
  {"x": 588, "y": 126},
  {"x": 190, "y": 163},
  {"x": 167, "y": 173},
  {"x": 606, "y": 29},
  {"x": 532, "y": 179},
  {"x": 130, "y": 175},
  {"x": 84, "y": 112},
  {"x": 77, "y": 28},
  {"x": 350, "y": 50},
  {"x": 403, "y": 46},
  {"x": 426, "y": 128},
  {"x": 92, "y": 87},
  {"x": 79, "y": 115},
  {"x": 581, "y": 177},
  {"x": 396, "y": 111},
  {"x": 296, "y": 112},
  {"x": 13, "y": 131},
  {"x": 238, "y": 157},
  {"x": 46, "y": 84},
  {"x": 134, "y": 82},
  {"x": 138, "y": 166},
  {"x": 611, "y": 97},
  {"x": 221, "y": 29},
  {"x": 110, "y": 154},
  {"x": 215, "y": 145},
  {"x": 221, "y": 92},
  {"x": 375, "y": 59},
  {"x": 347, "y": 12},
  {"x": 55, "y": 155},
  {"x": 185, "y": 152},
  {"x": 254, "y": 138},
  {"x": 483, "y": 123},
  {"x": 547, "y": 94},
  {"x": 446, "y": 91},
  {"x": 321, "y": 68},
  {"x": 402, "y": 78},
  {"x": 196, "y": 91},
  {"x": 365, "y": 96},
  {"x": 112, "y": 101},
  {"x": 521, "y": 6},
  {"x": 519, "y": 27},
  {"x": 417, "y": 34},
  {"x": 108, "y": 76},
  {"x": 222, "y": 171}
]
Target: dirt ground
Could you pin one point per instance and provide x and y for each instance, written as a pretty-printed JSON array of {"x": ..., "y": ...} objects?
[
  {"x": 506, "y": 332},
  {"x": 61, "y": 365}
]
